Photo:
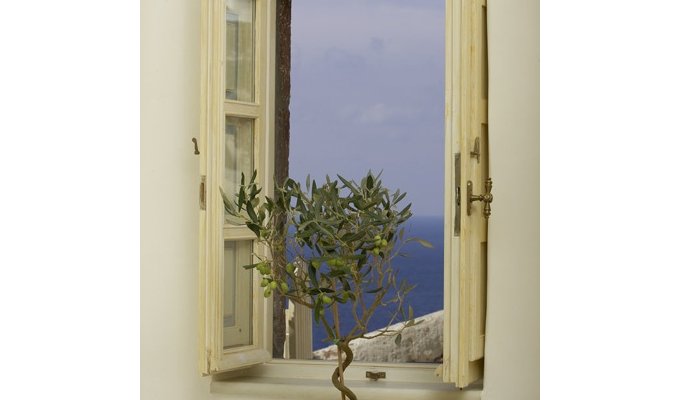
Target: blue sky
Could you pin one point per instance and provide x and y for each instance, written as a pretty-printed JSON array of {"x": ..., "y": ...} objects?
[{"x": 368, "y": 93}]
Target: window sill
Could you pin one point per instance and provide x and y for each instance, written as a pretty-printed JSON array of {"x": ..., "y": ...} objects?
[{"x": 253, "y": 384}]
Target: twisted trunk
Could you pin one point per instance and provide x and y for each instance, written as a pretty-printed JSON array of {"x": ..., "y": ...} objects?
[{"x": 343, "y": 348}]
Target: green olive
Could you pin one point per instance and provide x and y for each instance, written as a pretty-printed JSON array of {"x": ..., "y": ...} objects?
[
  {"x": 264, "y": 268},
  {"x": 376, "y": 251},
  {"x": 383, "y": 242},
  {"x": 377, "y": 237},
  {"x": 267, "y": 292},
  {"x": 273, "y": 285},
  {"x": 290, "y": 268},
  {"x": 326, "y": 299},
  {"x": 284, "y": 287}
]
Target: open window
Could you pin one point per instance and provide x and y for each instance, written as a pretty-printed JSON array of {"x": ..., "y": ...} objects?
[{"x": 237, "y": 135}]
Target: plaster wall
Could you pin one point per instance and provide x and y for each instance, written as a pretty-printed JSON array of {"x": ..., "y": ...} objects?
[
  {"x": 170, "y": 75},
  {"x": 512, "y": 340}
]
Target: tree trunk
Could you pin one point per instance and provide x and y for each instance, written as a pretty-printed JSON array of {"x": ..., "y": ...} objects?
[
  {"x": 281, "y": 139},
  {"x": 343, "y": 348}
]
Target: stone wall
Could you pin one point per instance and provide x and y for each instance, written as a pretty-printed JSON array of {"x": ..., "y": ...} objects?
[{"x": 421, "y": 343}]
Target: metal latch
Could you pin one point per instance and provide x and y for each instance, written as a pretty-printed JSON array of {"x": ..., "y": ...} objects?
[
  {"x": 375, "y": 375},
  {"x": 487, "y": 197},
  {"x": 201, "y": 193},
  {"x": 456, "y": 220}
]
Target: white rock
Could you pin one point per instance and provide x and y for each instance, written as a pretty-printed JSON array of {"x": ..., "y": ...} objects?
[{"x": 420, "y": 343}]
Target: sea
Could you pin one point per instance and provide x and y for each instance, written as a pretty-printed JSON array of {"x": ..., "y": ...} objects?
[{"x": 421, "y": 266}]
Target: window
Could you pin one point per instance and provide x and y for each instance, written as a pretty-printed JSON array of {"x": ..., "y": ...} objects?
[{"x": 237, "y": 134}]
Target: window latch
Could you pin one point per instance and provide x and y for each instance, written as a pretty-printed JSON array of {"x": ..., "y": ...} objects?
[
  {"x": 456, "y": 220},
  {"x": 375, "y": 375},
  {"x": 486, "y": 197},
  {"x": 201, "y": 193}
]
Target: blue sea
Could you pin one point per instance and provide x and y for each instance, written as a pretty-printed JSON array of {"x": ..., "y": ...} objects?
[{"x": 421, "y": 266}]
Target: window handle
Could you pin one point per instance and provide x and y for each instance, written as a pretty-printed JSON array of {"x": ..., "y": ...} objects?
[{"x": 487, "y": 197}]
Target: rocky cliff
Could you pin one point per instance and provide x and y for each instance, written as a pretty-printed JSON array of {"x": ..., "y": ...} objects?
[{"x": 420, "y": 343}]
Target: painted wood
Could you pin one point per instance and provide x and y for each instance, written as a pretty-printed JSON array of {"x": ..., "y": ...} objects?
[
  {"x": 213, "y": 357},
  {"x": 479, "y": 174},
  {"x": 452, "y": 120},
  {"x": 465, "y": 261}
]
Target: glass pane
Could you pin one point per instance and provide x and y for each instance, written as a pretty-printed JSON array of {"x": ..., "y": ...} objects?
[
  {"x": 237, "y": 307},
  {"x": 238, "y": 154},
  {"x": 240, "y": 50}
]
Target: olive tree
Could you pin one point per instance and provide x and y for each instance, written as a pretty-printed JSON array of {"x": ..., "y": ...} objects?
[{"x": 331, "y": 246}]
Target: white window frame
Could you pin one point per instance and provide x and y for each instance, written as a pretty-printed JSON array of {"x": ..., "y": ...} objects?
[{"x": 250, "y": 370}]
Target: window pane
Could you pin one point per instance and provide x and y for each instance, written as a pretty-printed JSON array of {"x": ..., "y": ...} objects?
[
  {"x": 237, "y": 294},
  {"x": 240, "y": 49},
  {"x": 238, "y": 154}
]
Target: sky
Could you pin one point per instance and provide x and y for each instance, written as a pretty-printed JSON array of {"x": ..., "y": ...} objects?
[{"x": 367, "y": 92}]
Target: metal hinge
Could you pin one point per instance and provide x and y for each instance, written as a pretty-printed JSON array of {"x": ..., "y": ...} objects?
[
  {"x": 195, "y": 146},
  {"x": 201, "y": 193},
  {"x": 475, "y": 151}
]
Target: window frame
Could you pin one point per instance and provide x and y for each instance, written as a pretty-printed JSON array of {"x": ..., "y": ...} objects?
[{"x": 254, "y": 363}]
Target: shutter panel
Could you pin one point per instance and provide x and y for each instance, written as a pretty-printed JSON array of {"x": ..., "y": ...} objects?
[
  {"x": 467, "y": 160},
  {"x": 236, "y": 137}
]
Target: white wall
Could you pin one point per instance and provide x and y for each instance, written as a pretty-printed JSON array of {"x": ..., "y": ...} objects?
[
  {"x": 512, "y": 341},
  {"x": 169, "y": 204}
]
